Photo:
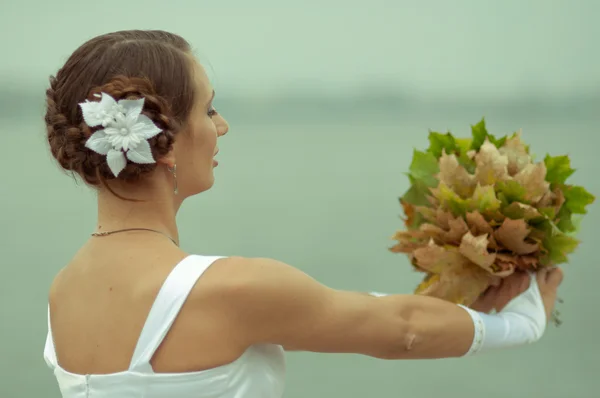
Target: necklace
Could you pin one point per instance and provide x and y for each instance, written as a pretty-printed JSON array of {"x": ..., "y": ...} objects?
[{"x": 105, "y": 233}]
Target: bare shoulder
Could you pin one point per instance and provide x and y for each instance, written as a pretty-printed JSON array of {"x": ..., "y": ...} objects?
[{"x": 235, "y": 278}]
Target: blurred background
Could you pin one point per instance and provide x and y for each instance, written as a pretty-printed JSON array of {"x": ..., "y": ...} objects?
[{"x": 326, "y": 101}]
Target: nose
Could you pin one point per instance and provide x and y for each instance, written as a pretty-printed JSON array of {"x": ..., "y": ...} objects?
[{"x": 222, "y": 126}]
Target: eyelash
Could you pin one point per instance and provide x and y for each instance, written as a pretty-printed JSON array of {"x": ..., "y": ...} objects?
[{"x": 212, "y": 112}]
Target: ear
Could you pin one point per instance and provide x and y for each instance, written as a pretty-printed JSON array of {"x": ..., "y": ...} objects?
[{"x": 168, "y": 160}]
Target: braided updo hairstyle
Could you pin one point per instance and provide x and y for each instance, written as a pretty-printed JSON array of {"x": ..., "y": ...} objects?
[{"x": 156, "y": 65}]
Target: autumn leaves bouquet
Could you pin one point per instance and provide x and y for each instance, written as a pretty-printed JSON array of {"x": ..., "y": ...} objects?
[{"x": 480, "y": 208}]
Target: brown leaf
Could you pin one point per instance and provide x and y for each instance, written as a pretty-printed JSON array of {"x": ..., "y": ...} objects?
[
  {"x": 476, "y": 249},
  {"x": 512, "y": 235},
  {"x": 409, "y": 212},
  {"x": 533, "y": 179},
  {"x": 457, "y": 228},
  {"x": 435, "y": 259},
  {"x": 456, "y": 176},
  {"x": 478, "y": 223},
  {"x": 523, "y": 263},
  {"x": 515, "y": 151},
  {"x": 478, "y": 226},
  {"x": 460, "y": 284},
  {"x": 491, "y": 166}
]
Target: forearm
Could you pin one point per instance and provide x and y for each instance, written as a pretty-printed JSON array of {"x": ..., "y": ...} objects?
[
  {"x": 432, "y": 328},
  {"x": 439, "y": 329}
]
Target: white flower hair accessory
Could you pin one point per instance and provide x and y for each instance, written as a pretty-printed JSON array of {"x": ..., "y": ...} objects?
[{"x": 125, "y": 134}]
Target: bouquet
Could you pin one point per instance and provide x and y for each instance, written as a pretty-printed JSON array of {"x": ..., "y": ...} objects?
[{"x": 480, "y": 208}]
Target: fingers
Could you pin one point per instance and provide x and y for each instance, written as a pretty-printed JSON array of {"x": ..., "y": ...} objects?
[
  {"x": 550, "y": 278},
  {"x": 511, "y": 287}
]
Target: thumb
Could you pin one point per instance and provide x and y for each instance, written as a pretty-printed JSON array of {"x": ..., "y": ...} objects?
[{"x": 555, "y": 277}]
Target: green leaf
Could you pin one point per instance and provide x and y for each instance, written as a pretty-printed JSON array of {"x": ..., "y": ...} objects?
[
  {"x": 417, "y": 193},
  {"x": 497, "y": 142},
  {"x": 424, "y": 167},
  {"x": 484, "y": 200},
  {"x": 479, "y": 133},
  {"x": 450, "y": 200},
  {"x": 558, "y": 169},
  {"x": 565, "y": 222},
  {"x": 558, "y": 245},
  {"x": 512, "y": 191},
  {"x": 577, "y": 198},
  {"x": 441, "y": 142}
]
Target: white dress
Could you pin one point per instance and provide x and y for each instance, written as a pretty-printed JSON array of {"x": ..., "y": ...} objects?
[{"x": 258, "y": 373}]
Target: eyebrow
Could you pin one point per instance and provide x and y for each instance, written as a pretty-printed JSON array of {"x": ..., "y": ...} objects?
[{"x": 212, "y": 97}]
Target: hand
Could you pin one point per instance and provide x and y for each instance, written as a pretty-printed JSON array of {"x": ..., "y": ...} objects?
[
  {"x": 548, "y": 282},
  {"x": 496, "y": 297}
]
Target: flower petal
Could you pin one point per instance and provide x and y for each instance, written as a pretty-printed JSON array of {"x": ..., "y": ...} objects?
[
  {"x": 91, "y": 113},
  {"x": 132, "y": 108},
  {"x": 145, "y": 127},
  {"x": 116, "y": 161},
  {"x": 98, "y": 113},
  {"x": 107, "y": 103},
  {"x": 99, "y": 143},
  {"x": 141, "y": 154}
]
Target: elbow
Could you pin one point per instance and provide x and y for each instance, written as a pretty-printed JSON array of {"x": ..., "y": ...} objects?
[{"x": 401, "y": 336}]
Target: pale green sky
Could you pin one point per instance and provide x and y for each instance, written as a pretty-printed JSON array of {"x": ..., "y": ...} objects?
[{"x": 460, "y": 47}]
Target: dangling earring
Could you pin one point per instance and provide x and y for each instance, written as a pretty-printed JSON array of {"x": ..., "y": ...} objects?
[{"x": 173, "y": 171}]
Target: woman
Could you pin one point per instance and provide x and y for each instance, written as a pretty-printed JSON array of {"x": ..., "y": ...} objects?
[{"x": 134, "y": 315}]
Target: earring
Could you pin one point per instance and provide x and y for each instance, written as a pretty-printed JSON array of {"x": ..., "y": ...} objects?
[{"x": 173, "y": 171}]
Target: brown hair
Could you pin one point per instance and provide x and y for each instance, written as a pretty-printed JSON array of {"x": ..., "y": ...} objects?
[{"x": 130, "y": 64}]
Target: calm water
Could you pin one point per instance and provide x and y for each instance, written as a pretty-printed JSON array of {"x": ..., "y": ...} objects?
[{"x": 318, "y": 190}]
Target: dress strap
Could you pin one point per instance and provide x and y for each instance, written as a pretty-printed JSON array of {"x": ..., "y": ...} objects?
[
  {"x": 49, "y": 351},
  {"x": 166, "y": 307}
]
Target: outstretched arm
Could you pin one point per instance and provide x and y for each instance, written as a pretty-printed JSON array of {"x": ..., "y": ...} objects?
[{"x": 276, "y": 303}]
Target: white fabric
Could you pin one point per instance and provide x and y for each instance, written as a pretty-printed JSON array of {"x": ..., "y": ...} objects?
[
  {"x": 258, "y": 373},
  {"x": 522, "y": 321}
]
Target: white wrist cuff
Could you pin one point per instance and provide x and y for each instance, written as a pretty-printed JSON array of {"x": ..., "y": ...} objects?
[{"x": 522, "y": 321}]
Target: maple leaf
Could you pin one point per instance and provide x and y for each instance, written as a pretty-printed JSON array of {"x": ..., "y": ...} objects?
[
  {"x": 512, "y": 234},
  {"x": 557, "y": 244},
  {"x": 441, "y": 143},
  {"x": 518, "y": 210},
  {"x": 491, "y": 166},
  {"x": 461, "y": 283},
  {"x": 449, "y": 200},
  {"x": 516, "y": 152},
  {"x": 455, "y": 176},
  {"x": 558, "y": 169},
  {"x": 484, "y": 200},
  {"x": 533, "y": 179},
  {"x": 478, "y": 225},
  {"x": 577, "y": 198},
  {"x": 475, "y": 248}
]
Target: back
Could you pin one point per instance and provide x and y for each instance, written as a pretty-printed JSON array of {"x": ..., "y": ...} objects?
[{"x": 99, "y": 319}]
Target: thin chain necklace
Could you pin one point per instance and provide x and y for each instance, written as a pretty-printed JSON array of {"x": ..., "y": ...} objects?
[{"x": 105, "y": 233}]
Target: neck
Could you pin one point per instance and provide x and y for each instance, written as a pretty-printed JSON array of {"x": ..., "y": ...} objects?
[{"x": 154, "y": 208}]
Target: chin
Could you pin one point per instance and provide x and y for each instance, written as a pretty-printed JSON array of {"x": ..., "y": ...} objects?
[{"x": 203, "y": 186}]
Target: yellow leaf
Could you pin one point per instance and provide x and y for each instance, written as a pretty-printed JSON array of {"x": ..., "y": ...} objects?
[
  {"x": 484, "y": 200},
  {"x": 516, "y": 153},
  {"x": 491, "y": 166},
  {"x": 455, "y": 176},
  {"x": 533, "y": 179}
]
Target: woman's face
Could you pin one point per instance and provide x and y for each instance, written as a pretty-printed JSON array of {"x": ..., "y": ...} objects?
[{"x": 195, "y": 147}]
